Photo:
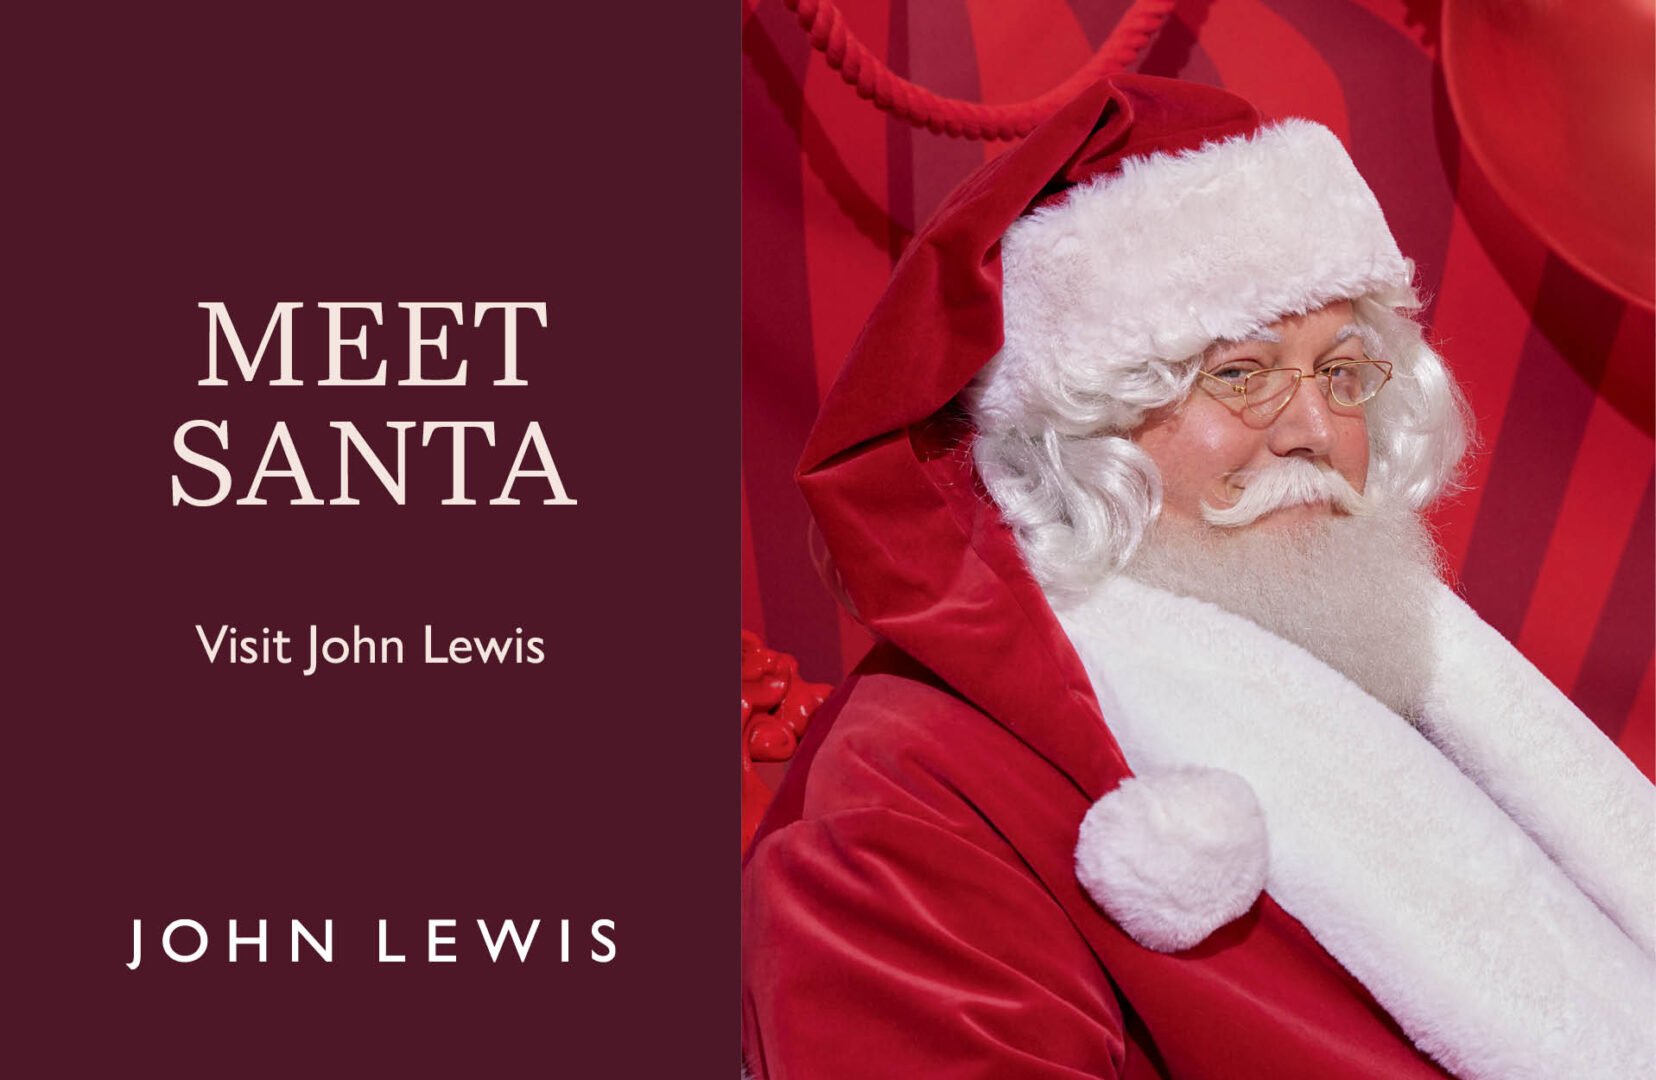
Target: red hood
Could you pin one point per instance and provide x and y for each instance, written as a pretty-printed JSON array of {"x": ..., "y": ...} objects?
[{"x": 921, "y": 550}]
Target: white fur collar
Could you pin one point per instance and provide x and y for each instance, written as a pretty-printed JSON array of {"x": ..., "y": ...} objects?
[{"x": 1495, "y": 892}]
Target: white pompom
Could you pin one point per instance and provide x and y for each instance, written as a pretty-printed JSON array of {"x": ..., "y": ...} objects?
[{"x": 1174, "y": 855}]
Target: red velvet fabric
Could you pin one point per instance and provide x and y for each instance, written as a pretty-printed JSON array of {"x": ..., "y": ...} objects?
[{"x": 910, "y": 905}]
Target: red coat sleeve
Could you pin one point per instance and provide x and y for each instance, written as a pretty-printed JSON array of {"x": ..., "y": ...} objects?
[{"x": 880, "y": 945}]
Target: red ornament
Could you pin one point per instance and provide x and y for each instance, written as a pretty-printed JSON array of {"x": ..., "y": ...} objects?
[{"x": 776, "y": 706}]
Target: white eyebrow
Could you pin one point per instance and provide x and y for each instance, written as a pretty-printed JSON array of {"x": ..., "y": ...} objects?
[
  {"x": 1264, "y": 335},
  {"x": 1367, "y": 334}
]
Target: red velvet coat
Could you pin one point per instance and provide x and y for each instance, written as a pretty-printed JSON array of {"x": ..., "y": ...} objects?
[
  {"x": 918, "y": 916},
  {"x": 910, "y": 906}
]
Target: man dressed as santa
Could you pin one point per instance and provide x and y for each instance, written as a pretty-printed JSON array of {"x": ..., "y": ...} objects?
[{"x": 1175, "y": 757}]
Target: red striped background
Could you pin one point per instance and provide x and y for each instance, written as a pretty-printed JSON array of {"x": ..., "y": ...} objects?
[{"x": 1554, "y": 542}]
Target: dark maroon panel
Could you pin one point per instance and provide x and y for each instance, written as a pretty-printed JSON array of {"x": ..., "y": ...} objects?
[{"x": 157, "y": 158}]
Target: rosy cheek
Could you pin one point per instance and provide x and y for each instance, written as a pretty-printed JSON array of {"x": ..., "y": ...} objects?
[{"x": 1194, "y": 453}]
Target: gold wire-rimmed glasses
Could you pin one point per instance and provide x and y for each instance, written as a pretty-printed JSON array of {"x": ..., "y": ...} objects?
[{"x": 1268, "y": 391}]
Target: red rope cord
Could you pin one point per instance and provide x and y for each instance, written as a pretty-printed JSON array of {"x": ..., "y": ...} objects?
[{"x": 892, "y": 93}]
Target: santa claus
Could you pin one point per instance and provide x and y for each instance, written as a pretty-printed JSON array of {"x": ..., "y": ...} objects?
[{"x": 1176, "y": 757}]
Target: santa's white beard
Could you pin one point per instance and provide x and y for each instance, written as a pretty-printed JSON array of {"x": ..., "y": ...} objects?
[{"x": 1352, "y": 591}]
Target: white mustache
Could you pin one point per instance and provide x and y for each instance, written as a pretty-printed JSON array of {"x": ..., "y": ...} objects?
[{"x": 1294, "y": 482}]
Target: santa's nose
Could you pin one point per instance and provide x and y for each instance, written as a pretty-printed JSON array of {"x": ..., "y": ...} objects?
[{"x": 1306, "y": 427}]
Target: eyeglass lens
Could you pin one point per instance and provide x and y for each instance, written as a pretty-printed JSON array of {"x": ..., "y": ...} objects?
[
  {"x": 1353, "y": 384},
  {"x": 1269, "y": 391}
]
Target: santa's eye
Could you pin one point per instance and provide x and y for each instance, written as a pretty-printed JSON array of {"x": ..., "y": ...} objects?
[{"x": 1235, "y": 373}]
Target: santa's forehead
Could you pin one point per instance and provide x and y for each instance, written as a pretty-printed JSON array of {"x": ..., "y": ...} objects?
[{"x": 1267, "y": 335}]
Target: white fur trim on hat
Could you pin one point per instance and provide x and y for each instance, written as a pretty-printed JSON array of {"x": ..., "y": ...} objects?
[
  {"x": 1174, "y": 855},
  {"x": 1154, "y": 262}
]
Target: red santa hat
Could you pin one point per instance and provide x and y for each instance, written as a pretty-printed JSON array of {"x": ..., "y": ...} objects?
[
  {"x": 1148, "y": 218},
  {"x": 1169, "y": 250}
]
